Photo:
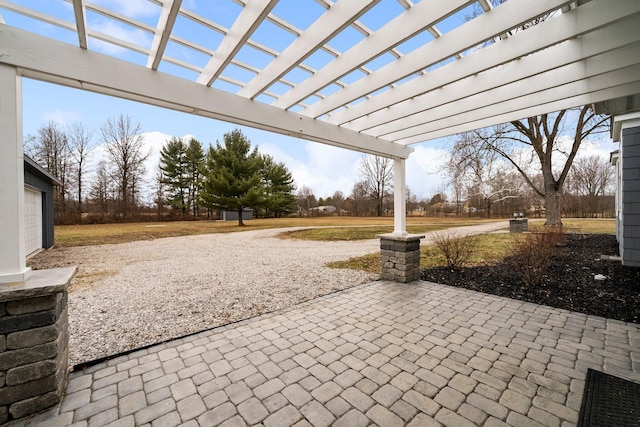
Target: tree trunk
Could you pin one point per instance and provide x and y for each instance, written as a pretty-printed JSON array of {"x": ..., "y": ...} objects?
[
  {"x": 240, "y": 223},
  {"x": 552, "y": 204}
]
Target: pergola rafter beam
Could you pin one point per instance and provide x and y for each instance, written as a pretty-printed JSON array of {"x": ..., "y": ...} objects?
[
  {"x": 485, "y": 27},
  {"x": 405, "y": 26},
  {"x": 586, "y": 98},
  {"x": 339, "y": 16},
  {"x": 80, "y": 14},
  {"x": 407, "y": 113},
  {"x": 548, "y": 87},
  {"x": 580, "y": 21},
  {"x": 166, "y": 21},
  {"x": 247, "y": 22}
]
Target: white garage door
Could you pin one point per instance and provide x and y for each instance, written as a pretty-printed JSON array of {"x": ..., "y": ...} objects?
[{"x": 32, "y": 220}]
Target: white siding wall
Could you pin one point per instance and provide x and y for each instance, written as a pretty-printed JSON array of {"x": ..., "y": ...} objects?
[{"x": 32, "y": 220}]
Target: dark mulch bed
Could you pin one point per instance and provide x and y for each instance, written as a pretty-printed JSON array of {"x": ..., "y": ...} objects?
[{"x": 568, "y": 283}]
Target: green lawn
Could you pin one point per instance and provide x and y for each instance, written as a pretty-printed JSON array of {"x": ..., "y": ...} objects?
[{"x": 491, "y": 247}]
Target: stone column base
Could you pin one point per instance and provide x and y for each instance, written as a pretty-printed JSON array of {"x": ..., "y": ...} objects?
[
  {"x": 34, "y": 338},
  {"x": 400, "y": 257}
]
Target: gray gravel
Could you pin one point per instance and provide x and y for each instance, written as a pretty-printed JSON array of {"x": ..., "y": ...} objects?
[{"x": 129, "y": 295}]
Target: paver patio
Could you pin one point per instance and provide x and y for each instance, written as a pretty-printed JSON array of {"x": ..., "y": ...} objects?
[{"x": 383, "y": 353}]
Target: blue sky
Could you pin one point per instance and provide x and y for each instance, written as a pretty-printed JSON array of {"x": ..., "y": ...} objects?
[{"x": 323, "y": 168}]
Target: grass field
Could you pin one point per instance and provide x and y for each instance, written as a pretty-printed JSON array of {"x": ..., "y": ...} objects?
[
  {"x": 334, "y": 228},
  {"x": 97, "y": 234},
  {"x": 491, "y": 247},
  {"x": 370, "y": 232}
]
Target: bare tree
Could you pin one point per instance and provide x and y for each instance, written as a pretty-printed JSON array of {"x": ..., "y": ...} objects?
[
  {"x": 306, "y": 199},
  {"x": 338, "y": 201},
  {"x": 377, "y": 174},
  {"x": 591, "y": 178},
  {"x": 50, "y": 148},
  {"x": 100, "y": 189},
  {"x": 486, "y": 177},
  {"x": 536, "y": 141},
  {"x": 80, "y": 147},
  {"x": 359, "y": 197},
  {"x": 124, "y": 146},
  {"x": 540, "y": 135}
]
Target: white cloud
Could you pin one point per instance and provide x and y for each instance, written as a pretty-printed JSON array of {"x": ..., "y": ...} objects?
[
  {"x": 118, "y": 31},
  {"x": 425, "y": 170},
  {"x": 132, "y": 8},
  {"x": 61, "y": 117},
  {"x": 323, "y": 168}
]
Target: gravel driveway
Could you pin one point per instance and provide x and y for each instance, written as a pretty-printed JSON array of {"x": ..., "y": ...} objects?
[{"x": 129, "y": 295}]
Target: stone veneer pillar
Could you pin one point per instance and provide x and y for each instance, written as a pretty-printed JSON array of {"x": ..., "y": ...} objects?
[
  {"x": 400, "y": 257},
  {"x": 34, "y": 337}
]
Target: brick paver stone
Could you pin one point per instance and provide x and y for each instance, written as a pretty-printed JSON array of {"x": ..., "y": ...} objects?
[
  {"x": 352, "y": 418},
  {"x": 285, "y": 416},
  {"x": 172, "y": 419},
  {"x": 317, "y": 414},
  {"x": 296, "y": 395},
  {"x": 383, "y": 417},
  {"x": 217, "y": 415},
  {"x": 132, "y": 403},
  {"x": 357, "y": 399},
  {"x": 252, "y": 410},
  {"x": 387, "y": 395},
  {"x": 191, "y": 407},
  {"x": 150, "y": 413}
]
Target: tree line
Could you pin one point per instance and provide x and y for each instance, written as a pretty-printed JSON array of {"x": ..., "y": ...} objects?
[
  {"x": 492, "y": 172},
  {"x": 190, "y": 182}
]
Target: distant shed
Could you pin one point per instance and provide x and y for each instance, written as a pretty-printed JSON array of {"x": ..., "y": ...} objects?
[{"x": 247, "y": 214}]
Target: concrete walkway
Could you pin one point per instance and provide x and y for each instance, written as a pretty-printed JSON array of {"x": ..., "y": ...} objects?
[{"x": 383, "y": 353}]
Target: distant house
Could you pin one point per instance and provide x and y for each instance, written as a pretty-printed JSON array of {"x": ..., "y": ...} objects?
[
  {"x": 38, "y": 206},
  {"x": 324, "y": 210}
]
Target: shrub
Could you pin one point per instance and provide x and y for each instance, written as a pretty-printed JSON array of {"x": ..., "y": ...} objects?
[
  {"x": 456, "y": 249},
  {"x": 533, "y": 253}
]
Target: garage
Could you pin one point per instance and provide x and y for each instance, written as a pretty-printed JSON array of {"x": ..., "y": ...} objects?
[
  {"x": 38, "y": 206},
  {"x": 32, "y": 220}
]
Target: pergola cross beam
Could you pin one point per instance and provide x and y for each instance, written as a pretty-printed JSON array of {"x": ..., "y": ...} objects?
[
  {"x": 249, "y": 20},
  {"x": 166, "y": 21}
]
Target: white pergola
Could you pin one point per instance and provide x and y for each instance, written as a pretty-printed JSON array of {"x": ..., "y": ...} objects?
[{"x": 424, "y": 72}]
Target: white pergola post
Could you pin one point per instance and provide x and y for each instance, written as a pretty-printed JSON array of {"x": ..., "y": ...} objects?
[
  {"x": 12, "y": 250},
  {"x": 399, "y": 197}
]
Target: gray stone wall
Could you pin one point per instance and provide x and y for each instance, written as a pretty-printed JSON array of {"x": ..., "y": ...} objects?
[
  {"x": 34, "y": 337},
  {"x": 400, "y": 258}
]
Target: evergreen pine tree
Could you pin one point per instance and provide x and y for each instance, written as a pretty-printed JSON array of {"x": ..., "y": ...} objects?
[
  {"x": 195, "y": 167},
  {"x": 233, "y": 179},
  {"x": 174, "y": 167},
  {"x": 279, "y": 197}
]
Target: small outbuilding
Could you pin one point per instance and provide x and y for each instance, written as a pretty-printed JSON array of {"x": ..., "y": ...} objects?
[
  {"x": 247, "y": 214},
  {"x": 38, "y": 206}
]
